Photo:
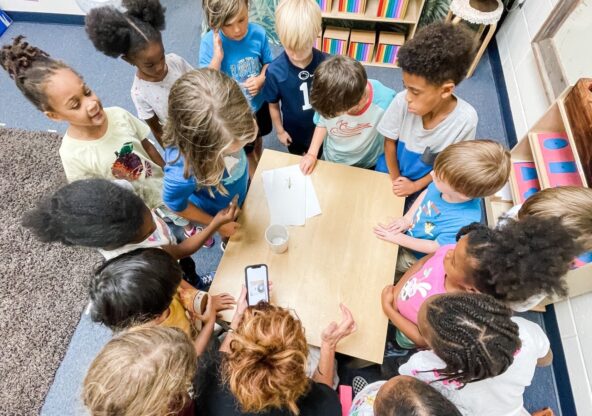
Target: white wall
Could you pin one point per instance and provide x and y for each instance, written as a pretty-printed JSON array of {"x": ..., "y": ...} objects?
[
  {"x": 528, "y": 102},
  {"x": 41, "y": 6}
]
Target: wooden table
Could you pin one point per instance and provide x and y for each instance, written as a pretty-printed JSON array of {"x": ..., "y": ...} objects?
[{"x": 334, "y": 258}]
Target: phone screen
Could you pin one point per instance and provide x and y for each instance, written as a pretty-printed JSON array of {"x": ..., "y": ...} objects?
[{"x": 257, "y": 285}]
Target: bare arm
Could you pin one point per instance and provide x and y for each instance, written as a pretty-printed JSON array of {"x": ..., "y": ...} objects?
[
  {"x": 416, "y": 244},
  {"x": 423, "y": 182},
  {"x": 390, "y": 156},
  {"x": 156, "y": 128},
  {"x": 308, "y": 162},
  {"x": 193, "y": 213},
  {"x": 546, "y": 360},
  {"x": 276, "y": 119},
  {"x": 153, "y": 153}
]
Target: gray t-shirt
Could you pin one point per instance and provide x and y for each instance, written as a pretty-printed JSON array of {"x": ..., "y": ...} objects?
[{"x": 417, "y": 147}]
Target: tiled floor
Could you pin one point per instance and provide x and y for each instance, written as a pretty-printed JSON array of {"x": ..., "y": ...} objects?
[{"x": 111, "y": 79}]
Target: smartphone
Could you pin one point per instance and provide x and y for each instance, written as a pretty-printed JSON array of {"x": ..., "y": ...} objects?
[{"x": 257, "y": 283}]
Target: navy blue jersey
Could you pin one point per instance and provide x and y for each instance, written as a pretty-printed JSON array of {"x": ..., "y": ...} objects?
[{"x": 290, "y": 86}]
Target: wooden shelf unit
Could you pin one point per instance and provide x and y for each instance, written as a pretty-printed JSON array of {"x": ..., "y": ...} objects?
[{"x": 411, "y": 19}]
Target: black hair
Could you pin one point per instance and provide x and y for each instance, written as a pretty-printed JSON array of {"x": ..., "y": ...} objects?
[
  {"x": 412, "y": 397},
  {"x": 117, "y": 33},
  {"x": 522, "y": 259},
  {"x": 473, "y": 334},
  {"x": 91, "y": 213},
  {"x": 30, "y": 68},
  {"x": 439, "y": 52},
  {"x": 133, "y": 288}
]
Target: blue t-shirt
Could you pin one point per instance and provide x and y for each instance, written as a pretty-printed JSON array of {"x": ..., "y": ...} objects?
[
  {"x": 440, "y": 221},
  {"x": 291, "y": 85},
  {"x": 178, "y": 191},
  {"x": 242, "y": 58}
]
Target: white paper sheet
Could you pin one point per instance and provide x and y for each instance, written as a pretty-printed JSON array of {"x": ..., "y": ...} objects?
[{"x": 291, "y": 196}]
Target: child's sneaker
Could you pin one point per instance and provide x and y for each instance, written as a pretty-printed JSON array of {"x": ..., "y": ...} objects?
[
  {"x": 195, "y": 230},
  {"x": 223, "y": 246},
  {"x": 358, "y": 384}
]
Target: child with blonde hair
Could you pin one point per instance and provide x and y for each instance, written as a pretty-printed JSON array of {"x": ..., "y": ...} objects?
[
  {"x": 463, "y": 173},
  {"x": 239, "y": 49},
  {"x": 105, "y": 143},
  {"x": 348, "y": 108},
  {"x": 142, "y": 372},
  {"x": 210, "y": 123},
  {"x": 290, "y": 75}
]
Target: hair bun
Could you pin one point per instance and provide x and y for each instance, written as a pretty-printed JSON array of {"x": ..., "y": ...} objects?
[
  {"x": 19, "y": 56},
  {"x": 148, "y": 11}
]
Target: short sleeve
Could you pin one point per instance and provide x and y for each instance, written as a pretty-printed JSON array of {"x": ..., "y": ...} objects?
[
  {"x": 421, "y": 366},
  {"x": 176, "y": 189},
  {"x": 141, "y": 129},
  {"x": 469, "y": 129},
  {"x": 446, "y": 238},
  {"x": 73, "y": 169},
  {"x": 145, "y": 112},
  {"x": 271, "y": 92},
  {"x": 184, "y": 65},
  {"x": 266, "y": 55},
  {"x": 529, "y": 331},
  {"x": 390, "y": 124},
  {"x": 383, "y": 96},
  {"x": 319, "y": 120},
  {"x": 206, "y": 50}
]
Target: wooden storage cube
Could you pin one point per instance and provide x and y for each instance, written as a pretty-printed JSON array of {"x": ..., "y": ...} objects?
[
  {"x": 335, "y": 40},
  {"x": 352, "y": 6},
  {"x": 388, "y": 47},
  {"x": 325, "y": 5},
  {"x": 361, "y": 45},
  {"x": 524, "y": 177},
  {"x": 396, "y": 9}
]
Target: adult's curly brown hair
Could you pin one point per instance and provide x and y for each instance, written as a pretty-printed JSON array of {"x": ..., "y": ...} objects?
[
  {"x": 30, "y": 68},
  {"x": 266, "y": 366},
  {"x": 440, "y": 52},
  {"x": 117, "y": 33},
  {"x": 522, "y": 259}
]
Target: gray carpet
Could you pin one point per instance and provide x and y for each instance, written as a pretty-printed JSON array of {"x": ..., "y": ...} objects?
[{"x": 42, "y": 286}]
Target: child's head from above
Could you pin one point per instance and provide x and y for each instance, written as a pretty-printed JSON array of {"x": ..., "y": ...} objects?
[
  {"x": 571, "y": 204},
  {"x": 340, "y": 86},
  {"x": 266, "y": 366},
  {"x": 433, "y": 63},
  {"x": 141, "y": 372},
  {"x": 50, "y": 85},
  {"x": 298, "y": 23},
  {"x": 408, "y": 396},
  {"x": 523, "y": 259},
  {"x": 91, "y": 213},
  {"x": 133, "y": 288},
  {"x": 229, "y": 16},
  {"x": 471, "y": 169},
  {"x": 133, "y": 35},
  {"x": 209, "y": 118},
  {"x": 471, "y": 332}
]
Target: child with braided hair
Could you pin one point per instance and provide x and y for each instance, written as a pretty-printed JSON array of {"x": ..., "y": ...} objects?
[
  {"x": 480, "y": 358},
  {"x": 107, "y": 143},
  {"x": 512, "y": 264}
]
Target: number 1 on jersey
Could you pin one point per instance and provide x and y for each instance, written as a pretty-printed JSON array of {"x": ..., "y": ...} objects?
[{"x": 304, "y": 89}]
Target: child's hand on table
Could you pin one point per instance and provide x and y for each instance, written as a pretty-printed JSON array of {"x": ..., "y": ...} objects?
[
  {"x": 222, "y": 302},
  {"x": 388, "y": 298},
  {"x": 284, "y": 138},
  {"x": 335, "y": 332},
  {"x": 308, "y": 163},
  {"x": 400, "y": 225},
  {"x": 225, "y": 220},
  {"x": 254, "y": 84},
  {"x": 384, "y": 233},
  {"x": 404, "y": 187}
]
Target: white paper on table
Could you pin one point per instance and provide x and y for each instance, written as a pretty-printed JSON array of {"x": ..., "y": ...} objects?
[{"x": 291, "y": 196}]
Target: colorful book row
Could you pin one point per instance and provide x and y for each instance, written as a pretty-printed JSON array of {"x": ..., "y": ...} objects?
[
  {"x": 392, "y": 8},
  {"x": 352, "y": 6},
  {"x": 395, "y": 9}
]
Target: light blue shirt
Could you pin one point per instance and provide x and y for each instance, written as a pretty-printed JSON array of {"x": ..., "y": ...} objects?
[{"x": 243, "y": 58}]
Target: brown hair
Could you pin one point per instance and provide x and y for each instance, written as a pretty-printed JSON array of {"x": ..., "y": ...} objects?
[
  {"x": 571, "y": 204},
  {"x": 266, "y": 366},
  {"x": 475, "y": 168},
  {"x": 339, "y": 83},
  {"x": 207, "y": 114},
  {"x": 141, "y": 372},
  {"x": 30, "y": 68},
  {"x": 219, "y": 12}
]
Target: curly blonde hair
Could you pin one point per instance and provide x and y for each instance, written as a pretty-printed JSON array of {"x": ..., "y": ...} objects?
[
  {"x": 141, "y": 372},
  {"x": 266, "y": 367},
  {"x": 208, "y": 114}
]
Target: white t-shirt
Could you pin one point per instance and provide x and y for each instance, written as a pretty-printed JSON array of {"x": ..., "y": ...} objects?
[
  {"x": 152, "y": 98},
  {"x": 414, "y": 140},
  {"x": 496, "y": 396},
  {"x": 162, "y": 236},
  {"x": 363, "y": 403}
]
